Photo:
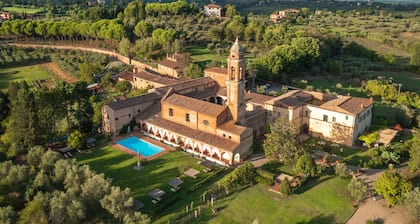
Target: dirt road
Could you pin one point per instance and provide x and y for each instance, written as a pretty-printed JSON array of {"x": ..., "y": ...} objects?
[{"x": 52, "y": 67}]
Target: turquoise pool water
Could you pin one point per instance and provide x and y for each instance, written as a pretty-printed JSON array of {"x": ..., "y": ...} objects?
[{"x": 135, "y": 145}]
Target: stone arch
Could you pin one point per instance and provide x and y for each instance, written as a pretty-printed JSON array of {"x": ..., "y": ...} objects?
[
  {"x": 198, "y": 146},
  {"x": 216, "y": 154},
  {"x": 188, "y": 143},
  {"x": 206, "y": 151},
  {"x": 237, "y": 158},
  {"x": 180, "y": 141},
  {"x": 212, "y": 99},
  {"x": 220, "y": 101},
  {"x": 305, "y": 128},
  {"x": 173, "y": 138},
  {"x": 150, "y": 130}
]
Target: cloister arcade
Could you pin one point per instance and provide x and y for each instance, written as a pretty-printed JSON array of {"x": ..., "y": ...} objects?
[
  {"x": 216, "y": 100},
  {"x": 193, "y": 146}
]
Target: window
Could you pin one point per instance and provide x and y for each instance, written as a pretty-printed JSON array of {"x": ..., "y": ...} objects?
[
  {"x": 224, "y": 135},
  {"x": 364, "y": 116},
  {"x": 230, "y": 137},
  {"x": 333, "y": 119},
  {"x": 325, "y": 118},
  {"x": 205, "y": 122},
  {"x": 278, "y": 114},
  {"x": 138, "y": 110},
  {"x": 306, "y": 113},
  {"x": 187, "y": 117},
  {"x": 347, "y": 117},
  {"x": 171, "y": 112},
  {"x": 129, "y": 115},
  {"x": 116, "y": 118},
  {"x": 135, "y": 79}
]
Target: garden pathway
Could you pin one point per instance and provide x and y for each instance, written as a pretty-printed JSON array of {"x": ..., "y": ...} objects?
[
  {"x": 378, "y": 210},
  {"x": 371, "y": 209}
]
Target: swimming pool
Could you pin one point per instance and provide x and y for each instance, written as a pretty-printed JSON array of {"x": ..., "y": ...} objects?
[{"x": 135, "y": 145}]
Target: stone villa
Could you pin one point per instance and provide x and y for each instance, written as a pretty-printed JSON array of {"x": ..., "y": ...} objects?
[{"x": 214, "y": 117}]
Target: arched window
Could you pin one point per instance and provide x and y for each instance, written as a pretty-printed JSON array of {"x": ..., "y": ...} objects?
[{"x": 232, "y": 74}]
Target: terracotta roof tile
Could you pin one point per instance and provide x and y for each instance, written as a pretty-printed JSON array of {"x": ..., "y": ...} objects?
[
  {"x": 171, "y": 64},
  {"x": 257, "y": 98},
  {"x": 293, "y": 98},
  {"x": 216, "y": 70},
  {"x": 135, "y": 101},
  {"x": 213, "y": 140},
  {"x": 231, "y": 127},
  {"x": 207, "y": 81},
  {"x": 348, "y": 104},
  {"x": 155, "y": 78},
  {"x": 126, "y": 75},
  {"x": 199, "y": 106},
  {"x": 213, "y": 6}
]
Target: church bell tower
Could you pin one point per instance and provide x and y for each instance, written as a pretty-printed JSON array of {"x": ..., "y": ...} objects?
[{"x": 235, "y": 82}]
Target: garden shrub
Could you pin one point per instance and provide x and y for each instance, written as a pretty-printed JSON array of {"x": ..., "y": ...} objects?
[{"x": 264, "y": 180}]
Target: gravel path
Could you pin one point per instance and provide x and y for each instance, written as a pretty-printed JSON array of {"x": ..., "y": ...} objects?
[
  {"x": 372, "y": 210},
  {"x": 51, "y": 66}
]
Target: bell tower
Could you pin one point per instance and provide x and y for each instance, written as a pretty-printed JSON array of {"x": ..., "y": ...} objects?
[{"x": 235, "y": 82}]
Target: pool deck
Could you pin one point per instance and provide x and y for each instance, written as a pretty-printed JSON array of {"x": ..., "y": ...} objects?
[{"x": 166, "y": 148}]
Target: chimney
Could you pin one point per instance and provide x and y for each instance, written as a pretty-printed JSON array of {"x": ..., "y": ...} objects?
[
  {"x": 348, "y": 94},
  {"x": 371, "y": 99},
  {"x": 361, "y": 105},
  {"x": 135, "y": 69}
]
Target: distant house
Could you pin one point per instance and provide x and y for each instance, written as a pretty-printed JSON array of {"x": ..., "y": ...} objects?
[
  {"x": 142, "y": 79},
  {"x": 5, "y": 16},
  {"x": 213, "y": 10},
  {"x": 282, "y": 14},
  {"x": 174, "y": 65}
]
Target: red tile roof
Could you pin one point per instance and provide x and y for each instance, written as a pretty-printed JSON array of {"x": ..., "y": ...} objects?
[
  {"x": 348, "y": 104},
  {"x": 231, "y": 127},
  {"x": 134, "y": 101},
  {"x": 213, "y": 140},
  {"x": 206, "y": 81},
  {"x": 199, "y": 106},
  {"x": 257, "y": 98},
  {"x": 293, "y": 98},
  {"x": 213, "y": 6},
  {"x": 171, "y": 64},
  {"x": 216, "y": 70},
  {"x": 155, "y": 78},
  {"x": 126, "y": 75}
]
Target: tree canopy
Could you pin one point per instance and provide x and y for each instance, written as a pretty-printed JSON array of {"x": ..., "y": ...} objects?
[
  {"x": 306, "y": 165},
  {"x": 282, "y": 142},
  {"x": 54, "y": 190},
  {"x": 358, "y": 189},
  {"x": 392, "y": 186}
]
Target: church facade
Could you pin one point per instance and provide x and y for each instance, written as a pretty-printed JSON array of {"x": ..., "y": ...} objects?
[{"x": 215, "y": 118}]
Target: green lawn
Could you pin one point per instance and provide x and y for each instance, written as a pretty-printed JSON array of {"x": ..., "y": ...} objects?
[
  {"x": 322, "y": 83},
  {"x": 155, "y": 174},
  {"x": 27, "y": 73},
  {"x": 202, "y": 55},
  {"x": 326, "y": 202},
  {"x": 21, "y": 10},
  {"x": 350, "y": 155},
  {"x": 410, "y": 81}
]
